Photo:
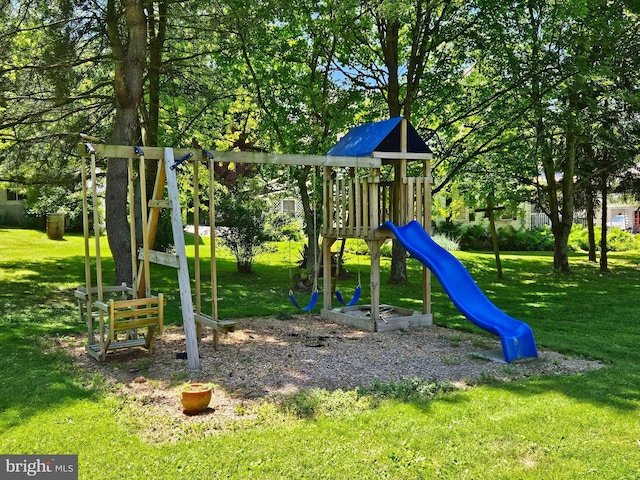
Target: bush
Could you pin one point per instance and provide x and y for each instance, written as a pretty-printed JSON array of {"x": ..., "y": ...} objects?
[
  {"x": 617, "y": 240},
  {"x": 449, "y": 228},
  {"x": 446, "y": 242},
  {"x": 622, "y": 241},
  {"x": 242, "y": 216},
  {"x": 477, "y": 237}
]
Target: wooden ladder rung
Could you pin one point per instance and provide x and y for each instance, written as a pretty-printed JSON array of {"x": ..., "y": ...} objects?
[
  {"x": 161, "y": 258},
  {"x": 159, "y": 203}
]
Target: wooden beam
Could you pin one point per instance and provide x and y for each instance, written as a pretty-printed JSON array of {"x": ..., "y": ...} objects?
[
  {"x": 123, "y": 151},
  {"x": 402, "y": 156},
  {"x": 184, "y": 280}
]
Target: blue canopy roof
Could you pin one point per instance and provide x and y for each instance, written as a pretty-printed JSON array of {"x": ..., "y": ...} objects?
[{"x": 382, "y": 136}]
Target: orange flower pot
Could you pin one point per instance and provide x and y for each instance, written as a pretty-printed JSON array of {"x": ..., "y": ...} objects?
[{"x": 196, "y": 399}]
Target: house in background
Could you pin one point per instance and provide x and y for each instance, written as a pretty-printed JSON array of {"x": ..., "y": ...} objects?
[
  {"x": 624, "y": 216},
  {"x": 12, "y": 209}
]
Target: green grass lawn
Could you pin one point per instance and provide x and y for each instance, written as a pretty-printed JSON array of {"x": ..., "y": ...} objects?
[{"x": 550, "y": 427}]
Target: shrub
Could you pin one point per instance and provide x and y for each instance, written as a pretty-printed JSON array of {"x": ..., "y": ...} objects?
[
  {"x": 475, "y": 237},
  {"x": 617, "y": 240},
  {"x": 446, "y": 242},
  {"x": 622, "y": 241},
  {"x": 243, "y": 218}
]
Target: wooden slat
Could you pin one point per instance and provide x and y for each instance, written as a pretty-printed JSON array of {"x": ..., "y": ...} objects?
[
  {"x": 101, "y": 305},
  {"x": 329, "y": 221},
  {"x": 123, "y": 325},
  {"x": 159, "y": 203},
  {"x": 82, "y": 292},
  {"x": 133, "y": 303},
  {"x": 136, "y": 342},
  {"x": 161, "y": 258},
  {"x": 137, "y": 302},
  {"x": 409, "y": 198},
  {"x": 365, "y": 205},
  {"x": 136, "y": 312}
]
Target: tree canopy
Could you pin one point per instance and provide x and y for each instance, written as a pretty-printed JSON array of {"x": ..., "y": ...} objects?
[{"x": 546, "y": 93}]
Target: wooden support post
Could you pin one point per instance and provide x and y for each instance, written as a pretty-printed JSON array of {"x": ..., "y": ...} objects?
[
  {"x": 212, "y": 240},
  {"x": 426, "y": 273},
  {"x": 132, "y": 224},
  {"x": 402, "y": 175},
  {"x": 326, "y": 272},
  {"x": 183, "y": 270},
  {"x": 87, "y": 255},
  {"x": 374, "y": 251},
  {"x": 152, "y": 226},
  {"x": 145, "y": 229},
  {"x": 96, "y": 226},
  {"x": 196, "y": 243}
]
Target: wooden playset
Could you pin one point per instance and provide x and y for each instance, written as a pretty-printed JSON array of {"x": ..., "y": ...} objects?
[{"x": 353, "y": 207}]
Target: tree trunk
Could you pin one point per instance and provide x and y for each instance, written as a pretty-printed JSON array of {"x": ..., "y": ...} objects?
[
  {"x": 388, "y": 32},
  {"x": 604, "y": 258},
  {"x": 591, "y": 231},
  {"x": 494, "y": 234},
  {"x": 561, "y": 252},
  {"x": 130, "y": 63},
  {"x": 310, "y": 207},
  {"x": 563, "y": 224}
]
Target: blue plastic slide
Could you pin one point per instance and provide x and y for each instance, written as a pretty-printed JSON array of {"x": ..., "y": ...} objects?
[{"x": 516, "y": 336}]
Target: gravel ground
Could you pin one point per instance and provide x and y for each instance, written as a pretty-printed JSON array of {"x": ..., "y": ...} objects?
[{"x": 270, "y": 358}]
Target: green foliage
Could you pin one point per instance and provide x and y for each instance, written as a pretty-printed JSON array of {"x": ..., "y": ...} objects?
[
  {"x": 57, "y": 198},
  {"x": 320, "y": 402},
  {"x": 622, "y": 241},
  {"x": 385, "y": 250},
  {"x": 408, "y": 390},
  {"x": 292, "y": 230},
  {"x": 245, "y": 222},
  {"x": 477, "y": 237},
  {"x": 617, "y": 240},
  {"x": 521, "y": 240}
]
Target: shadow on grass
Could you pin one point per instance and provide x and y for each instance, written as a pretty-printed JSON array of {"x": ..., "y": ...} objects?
[
  {"x": 609, "y": 387},
  {"x": 34, "y": 377}
]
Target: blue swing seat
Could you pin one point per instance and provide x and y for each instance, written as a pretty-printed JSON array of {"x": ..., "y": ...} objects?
[
  {"x": 353, "y": 301},
  {"x": 312, "y": 302}
]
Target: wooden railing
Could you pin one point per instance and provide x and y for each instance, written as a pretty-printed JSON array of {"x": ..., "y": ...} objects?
[{"x": 355, "y": 207}]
